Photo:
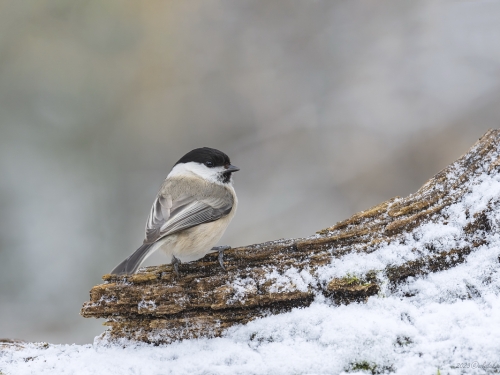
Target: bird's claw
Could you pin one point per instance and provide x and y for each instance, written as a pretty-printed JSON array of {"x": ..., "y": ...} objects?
[
  {"x": 220, "y": 257},
  {"x": 176, "y": 263}
]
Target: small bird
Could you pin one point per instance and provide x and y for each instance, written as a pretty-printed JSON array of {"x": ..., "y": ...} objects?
[{"x": 193, "y": 208}]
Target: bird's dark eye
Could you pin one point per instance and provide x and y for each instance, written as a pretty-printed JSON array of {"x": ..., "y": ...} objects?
[{"x": 209, "y": 164}]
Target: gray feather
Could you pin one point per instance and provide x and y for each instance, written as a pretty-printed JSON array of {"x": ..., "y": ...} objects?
[
  {"x": 176, "y": 209},
  {"x": 132, "y": 263}
]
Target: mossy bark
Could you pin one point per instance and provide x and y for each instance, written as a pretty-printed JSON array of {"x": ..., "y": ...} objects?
[{"x": 156, "y": 306}]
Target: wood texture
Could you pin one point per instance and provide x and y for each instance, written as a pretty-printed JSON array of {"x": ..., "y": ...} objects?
[{"x": 156, "y": 306}]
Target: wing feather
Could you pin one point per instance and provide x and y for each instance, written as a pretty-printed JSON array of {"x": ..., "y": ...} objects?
[{"x": 169, "y": 215}]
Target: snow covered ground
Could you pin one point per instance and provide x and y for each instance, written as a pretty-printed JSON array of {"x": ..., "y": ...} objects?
[
  {"x": 450, "y": 324},
  {"x": 420, "y": 335}
]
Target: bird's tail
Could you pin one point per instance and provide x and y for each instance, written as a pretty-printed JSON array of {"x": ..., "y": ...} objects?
[{"x": 132, "y": 263}]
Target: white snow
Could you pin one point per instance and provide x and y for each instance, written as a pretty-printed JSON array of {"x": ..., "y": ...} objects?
[
  {"x": 449, "y": 325},
  {"x": 291, "y": 280}
]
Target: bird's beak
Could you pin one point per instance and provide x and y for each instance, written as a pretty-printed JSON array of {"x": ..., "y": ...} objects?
[{"x": 231, "y": 168}]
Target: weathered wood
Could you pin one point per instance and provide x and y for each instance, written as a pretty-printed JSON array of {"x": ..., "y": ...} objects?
[{"x": 156, "y": 306}]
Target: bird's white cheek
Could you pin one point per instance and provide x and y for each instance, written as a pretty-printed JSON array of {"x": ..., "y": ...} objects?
[{"x": 209, "y": 174}]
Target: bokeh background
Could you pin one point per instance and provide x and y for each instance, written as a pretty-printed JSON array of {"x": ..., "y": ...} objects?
[{"x": 328, "y": 107}]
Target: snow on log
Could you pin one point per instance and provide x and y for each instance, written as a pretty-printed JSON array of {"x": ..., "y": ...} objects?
[{"x": 373, "y": 253}]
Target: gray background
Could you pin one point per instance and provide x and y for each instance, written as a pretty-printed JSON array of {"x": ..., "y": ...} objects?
[{"x": 328, "y": 107}]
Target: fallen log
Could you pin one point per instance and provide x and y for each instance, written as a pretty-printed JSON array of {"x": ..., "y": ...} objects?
[{"x": 156, "y": 306}]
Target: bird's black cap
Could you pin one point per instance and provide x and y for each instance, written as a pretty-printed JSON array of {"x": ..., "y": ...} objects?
[{"x": 206, "y": 155}]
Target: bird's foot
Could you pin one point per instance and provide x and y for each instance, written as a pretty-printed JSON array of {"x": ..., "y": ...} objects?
[
  {"x": 176, "y": 263},
  {"x": 221, "y": 249}
]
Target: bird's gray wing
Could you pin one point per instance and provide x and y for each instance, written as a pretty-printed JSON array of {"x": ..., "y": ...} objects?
[
  {"x": 170, "y": 216},
  {"x": 176, "y": 209}
]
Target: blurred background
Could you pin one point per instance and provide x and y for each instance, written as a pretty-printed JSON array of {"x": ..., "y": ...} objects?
[{"x": 327, "y": 106}]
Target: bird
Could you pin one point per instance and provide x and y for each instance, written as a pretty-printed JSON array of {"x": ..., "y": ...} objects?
[{"x": 193, "y": 208}]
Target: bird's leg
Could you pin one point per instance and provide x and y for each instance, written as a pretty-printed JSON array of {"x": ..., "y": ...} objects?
[
  {"x": 221, "y": 249},
  {"x": 176, "y": 263}
]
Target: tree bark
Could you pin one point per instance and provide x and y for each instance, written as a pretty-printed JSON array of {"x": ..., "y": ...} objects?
[{"x": 155, "y": 306}]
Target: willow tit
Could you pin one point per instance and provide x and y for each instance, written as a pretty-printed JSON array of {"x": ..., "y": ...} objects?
[{"x": 191, "y": 211}]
